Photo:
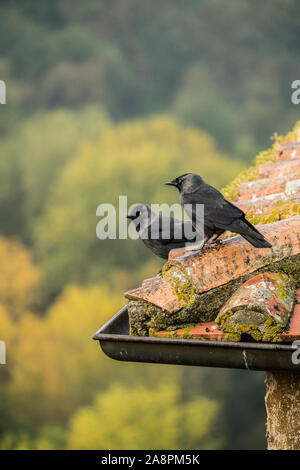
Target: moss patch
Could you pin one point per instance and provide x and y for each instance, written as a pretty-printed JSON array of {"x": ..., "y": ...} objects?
[
  {"x": 181, "y": 282},
  {"x": 254, "y": 318},
  {"x": 203, "y": 307},
  {"x": 258, "y": 325},
  {"x": 281, "y": 210}
]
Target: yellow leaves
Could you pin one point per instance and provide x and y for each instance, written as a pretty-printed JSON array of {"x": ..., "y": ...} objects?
[
  {"x": 200, "y": 415},
  {"x": 56, "y": 362},
  {"x": 7, "y": 336},
  {"x": 18, "y": 276},
  {"x": 6, "y": 325},
  {"x": 140, "y": 418},
  {"x": 56, "y": 369}
]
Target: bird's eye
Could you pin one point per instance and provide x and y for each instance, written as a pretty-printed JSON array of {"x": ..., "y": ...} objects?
[{"x": 137, "y": 213}]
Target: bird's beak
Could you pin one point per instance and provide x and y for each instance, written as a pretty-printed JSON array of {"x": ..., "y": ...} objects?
[
  {"x": 129, "y": 217},
  {"x": 172, "y": 183}
]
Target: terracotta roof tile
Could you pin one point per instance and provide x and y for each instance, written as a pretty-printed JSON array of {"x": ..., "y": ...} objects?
[
  {"x": 266, "y": 204},
  {"x": 260, "y": 307},
  {"x": 235, "y": 256},
  {"x": 265, "y": 187},
  {"x": 207, "y": 330},
  {"x": 292, "y": 188},
  {"x": 218, "y": 265},
  {"x": 279, "y": 168},
  {"x": 288, "y": 151},
  {"x": 211, "y": 331}
]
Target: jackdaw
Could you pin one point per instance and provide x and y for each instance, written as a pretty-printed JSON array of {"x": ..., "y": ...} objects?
[
  {"x": 219, "y": 214},
  {"x": 160, "y": 233}
]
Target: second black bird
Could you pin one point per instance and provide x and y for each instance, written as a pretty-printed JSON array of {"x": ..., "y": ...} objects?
[{"x": 159, "y": 233}]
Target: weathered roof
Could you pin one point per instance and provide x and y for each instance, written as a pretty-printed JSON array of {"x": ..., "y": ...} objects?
[
  {"x": 278, "y": 182},
  {"x": 221, "y": 264},
  {"x": 271, "y": 198}
]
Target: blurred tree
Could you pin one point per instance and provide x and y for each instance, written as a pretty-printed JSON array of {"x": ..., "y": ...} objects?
[
  {"x": 56, "y": 364},
  {"x": 226, "y": 70},
  {"x": 200, "y": 102},
  {"x": 244, "y": 423},
  {"x": 7, "y": 333},
  {"x": 139, "y": 418},
  {"x": 47, "y": 438},
  {"x": 101, "y": 79},
  {"x": 136, "y": 58},
  {"x": 6, "y": 325},
  {"x": 11, "y": 190},
  {"x": 134, "y": 160},
  {"x": 32, "y": 157},
  {"x": 18, "y": 277},
  {"x": 56, "y": 367}
]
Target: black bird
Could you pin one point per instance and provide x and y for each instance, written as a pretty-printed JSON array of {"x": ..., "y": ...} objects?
[
  {"x": 160, "y": 233},
  {"x": 219, "y": 214}
]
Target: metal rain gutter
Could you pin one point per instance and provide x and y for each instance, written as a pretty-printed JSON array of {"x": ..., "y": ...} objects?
[{"x": 116, "y": 343}]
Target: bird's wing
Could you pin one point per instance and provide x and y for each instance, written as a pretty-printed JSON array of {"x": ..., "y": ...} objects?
[{"x": 217, "y": 210}]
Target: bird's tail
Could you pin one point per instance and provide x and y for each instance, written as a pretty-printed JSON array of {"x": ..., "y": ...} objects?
[
  {"x": 255, "y": 237},
  {"x": 257, "y": 242},
  {"x": 250, "y": 233}
]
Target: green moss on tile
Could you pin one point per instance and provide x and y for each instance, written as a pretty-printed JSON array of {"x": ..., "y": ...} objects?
[
  {"x": 203, "y": 307},
  {"x": 267, "y": 156},
  {"x": 282, "y": 210},
  {"x": 181, "y": 282},
  {"x": 256, "y": 320}
]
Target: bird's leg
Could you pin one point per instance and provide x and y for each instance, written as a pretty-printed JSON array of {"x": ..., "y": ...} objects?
[
  {"x": 214, "y": 239},
  {"x": 197, "y": 247},
  {"x": 207, "y": 241}
]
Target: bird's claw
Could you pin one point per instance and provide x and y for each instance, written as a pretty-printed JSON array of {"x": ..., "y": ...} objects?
[{"x": 214, "y": 244}]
